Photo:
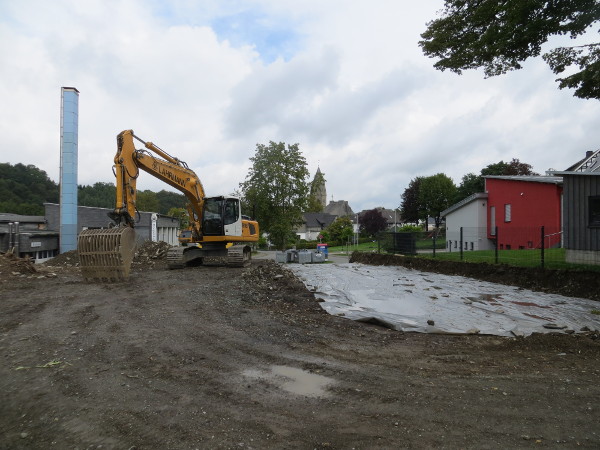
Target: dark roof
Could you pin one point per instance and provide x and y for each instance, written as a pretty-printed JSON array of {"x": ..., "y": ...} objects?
[
  {"x": 590, "y": 165},
  {"x": 527, "y": 178},
  {"x": 318, "y": 220},
  {"x": 8, "y": 217},
  {"x": 463, "y": 202}
]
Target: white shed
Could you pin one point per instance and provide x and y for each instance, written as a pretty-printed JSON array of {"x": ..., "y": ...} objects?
[{"x": 471, "y": 215}]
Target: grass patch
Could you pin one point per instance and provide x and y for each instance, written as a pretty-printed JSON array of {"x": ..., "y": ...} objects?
[
  {"x": 364, "y": 247},
  {"x": 554, "y": 258}
]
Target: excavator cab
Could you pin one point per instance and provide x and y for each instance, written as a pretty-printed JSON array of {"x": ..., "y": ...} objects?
[{"x": 222, "y": 217}]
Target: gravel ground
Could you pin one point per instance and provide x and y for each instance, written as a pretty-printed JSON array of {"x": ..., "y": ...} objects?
[{"x": 217, "y": 357}]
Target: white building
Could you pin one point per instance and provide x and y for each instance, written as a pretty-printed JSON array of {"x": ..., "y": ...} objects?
[{"x": 469, "y": 214}]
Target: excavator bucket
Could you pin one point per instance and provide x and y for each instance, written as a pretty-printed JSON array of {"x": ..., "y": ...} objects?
[{"x": 106, "y": 254}]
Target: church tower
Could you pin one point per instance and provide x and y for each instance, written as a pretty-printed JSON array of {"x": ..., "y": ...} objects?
[{"x": 317, "y": 188}]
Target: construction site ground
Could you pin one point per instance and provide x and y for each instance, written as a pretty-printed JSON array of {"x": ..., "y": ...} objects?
[{"x": 218, "y": 357}]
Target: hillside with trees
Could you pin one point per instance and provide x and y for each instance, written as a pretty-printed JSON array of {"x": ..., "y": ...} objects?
[{"x": 24, "y": 189}]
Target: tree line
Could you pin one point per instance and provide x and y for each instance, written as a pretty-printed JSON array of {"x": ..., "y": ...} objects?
[{"x": 25, "y": 188}]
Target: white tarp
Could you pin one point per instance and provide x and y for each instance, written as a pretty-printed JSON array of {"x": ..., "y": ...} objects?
[{"x": 410, "y": 300}]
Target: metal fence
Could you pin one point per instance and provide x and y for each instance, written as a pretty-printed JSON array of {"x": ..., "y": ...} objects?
[{"x": 520, "y": 246}]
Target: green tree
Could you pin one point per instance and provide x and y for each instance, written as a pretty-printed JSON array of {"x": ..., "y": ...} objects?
[
  {"x": 436, "y": 193},
  {"x": 168, "y": 200},
  {"x": 313, "y": 204},
  {"x": 372, "y": 222},
  {"x": 147, "y": 201},
  {"x": 499, "y": 35},
  {"x": 514, "y": 167},
  {"x": 411, "y": 211},
  {"x": 24, "y": 189},
  {"x": 182, "y": 215},
  {"x": 276, "y": 190},
  {"x": 470, "y": 184},
  {"x": 340, "y": 230},
  {"x": 100, "y": 195}
]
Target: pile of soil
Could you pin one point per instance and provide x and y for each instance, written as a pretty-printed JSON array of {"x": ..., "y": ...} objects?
[
  {"x": 10, "y": 264},
  {"x": 66, "y": 259},
  {"x": 583, "y": 284}
]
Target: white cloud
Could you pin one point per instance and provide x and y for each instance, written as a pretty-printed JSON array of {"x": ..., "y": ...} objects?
[{"x": 207, "y": 81}]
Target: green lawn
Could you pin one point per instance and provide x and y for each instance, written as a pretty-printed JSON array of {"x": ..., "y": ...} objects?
[
  {"x": 364, "y": 247},
  {"x": 554, "y": 258}
]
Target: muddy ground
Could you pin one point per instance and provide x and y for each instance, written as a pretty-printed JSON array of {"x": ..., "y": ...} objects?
[{"x": 217, "y": 357}]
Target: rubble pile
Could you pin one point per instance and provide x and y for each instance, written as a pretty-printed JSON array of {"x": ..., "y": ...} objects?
[
  {"x": 10, "y": 264},
  {"x": 150, "y": 252},
  {"x": 66, "y": 259},
  {"x": 272, "y": 283}
]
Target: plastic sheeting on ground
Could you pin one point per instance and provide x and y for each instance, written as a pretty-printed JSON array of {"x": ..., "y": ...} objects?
[{"x": 410, "y": 300}]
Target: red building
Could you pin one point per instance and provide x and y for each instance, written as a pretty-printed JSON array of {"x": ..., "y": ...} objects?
[{"x": 518, "y": 206}]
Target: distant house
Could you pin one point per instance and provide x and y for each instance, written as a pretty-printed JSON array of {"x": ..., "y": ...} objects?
[
  {"x": 582, "y": 210},
  {"x": 518, "y": 206},
  {"x": 470, "y": 215},
  {"x": 29, "y": 236},
  {"x": 313, "y": 225}
]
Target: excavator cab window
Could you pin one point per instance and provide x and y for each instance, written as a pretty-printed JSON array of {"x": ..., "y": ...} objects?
[{"x": 212, "y": 225}]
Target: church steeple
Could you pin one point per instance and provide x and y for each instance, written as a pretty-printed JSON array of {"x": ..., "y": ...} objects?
[{"x": 317, "y": 188}]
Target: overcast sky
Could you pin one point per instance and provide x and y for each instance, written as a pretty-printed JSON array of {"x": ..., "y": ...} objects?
[{"x": 208, "y": 80}]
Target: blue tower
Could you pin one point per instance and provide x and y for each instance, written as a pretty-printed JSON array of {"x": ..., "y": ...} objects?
[{"x": 69, "y": 126}]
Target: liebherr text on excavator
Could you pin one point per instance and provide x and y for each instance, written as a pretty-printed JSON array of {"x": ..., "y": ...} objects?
[{"x": 217, "y": 227}]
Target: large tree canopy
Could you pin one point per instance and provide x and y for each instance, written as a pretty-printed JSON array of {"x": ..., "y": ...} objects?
[
  {"x": 276, "y": 189},
  {"x": 498, "y": 35},
  {"x": 436, "y": 193},
  {"x": 411, "y": 211},
  {"x": 372, "y": 222}
]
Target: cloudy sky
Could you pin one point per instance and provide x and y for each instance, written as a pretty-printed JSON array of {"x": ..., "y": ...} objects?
[{"x": 207, "y": 80}]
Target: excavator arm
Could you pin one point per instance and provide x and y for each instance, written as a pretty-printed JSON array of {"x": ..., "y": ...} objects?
[{"x": 169, "y": 169}]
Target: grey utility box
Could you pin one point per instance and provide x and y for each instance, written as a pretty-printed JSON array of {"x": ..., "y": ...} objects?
[
  {"x": 318, "y": 257},
  {"x": 305, "y": 257}
]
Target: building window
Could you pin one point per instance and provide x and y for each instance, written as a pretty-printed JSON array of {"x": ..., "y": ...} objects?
[
  {"x": 594, "y": 204},
  {"x": 507, "y": 212}
]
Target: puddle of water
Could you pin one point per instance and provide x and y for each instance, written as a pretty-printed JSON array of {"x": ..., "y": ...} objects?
[{"x": 293, "y": 380}]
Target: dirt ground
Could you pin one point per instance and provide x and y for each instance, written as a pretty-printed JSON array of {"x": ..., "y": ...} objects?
[{"x": 217, "y": 357}]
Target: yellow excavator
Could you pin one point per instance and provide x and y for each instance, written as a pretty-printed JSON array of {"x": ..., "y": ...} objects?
[{"x": 217, "y": 227}]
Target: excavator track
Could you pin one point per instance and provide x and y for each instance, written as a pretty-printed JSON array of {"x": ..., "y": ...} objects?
[
  {"x": 179, "y": 257},
  {"x": 175, "y": 258},
  {"x": 239, "y": 256},
  {"x": 106, "y": 254}
]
